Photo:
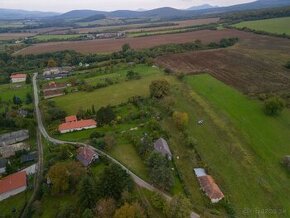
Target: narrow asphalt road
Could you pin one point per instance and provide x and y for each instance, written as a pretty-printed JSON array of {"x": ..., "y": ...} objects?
[{"x": 43, "y": 131}]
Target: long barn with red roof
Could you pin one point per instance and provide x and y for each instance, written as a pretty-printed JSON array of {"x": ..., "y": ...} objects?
[
  {"x": 12, "y": 185},
  {"x": 73, "y": 124}
]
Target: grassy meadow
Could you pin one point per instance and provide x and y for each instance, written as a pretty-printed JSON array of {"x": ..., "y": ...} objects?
[
  {"x": 275, "y": 25},
  {"x": 7, "y": 91},
  {"x": 241, "y": 146},
  {"x": 114, "y": 94},
  {"x": 238, "y": 144}
]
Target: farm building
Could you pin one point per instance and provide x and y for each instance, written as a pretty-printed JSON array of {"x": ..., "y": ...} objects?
[
  {"x": 13, "y": 137},
  {"x": 28, "y": 157},
  {"x": 73, "y": 124},
  {"x": 208, "y": 185},
  {"x": 56, "y": 73},
  {"x": 9, "y": 150},
  {"x": 12, "y": 185},
  {"x": 51, "y": 86},
  {"x": 162, "y": 147},
  {"x": 86, "y": 155},
  {"x": 3, "y": 163},
  {"x": 18, "y": 77},
  {"x": 52, "y": 93}
]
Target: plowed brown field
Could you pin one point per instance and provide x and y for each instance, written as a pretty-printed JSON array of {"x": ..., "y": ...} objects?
[
  {"x": 112, "y": 45},
  {"x": 254, "y": 66}
]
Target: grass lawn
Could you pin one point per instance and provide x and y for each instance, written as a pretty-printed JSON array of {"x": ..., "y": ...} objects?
[
  {"x": 241, "y": 146},
  {"x": 126, "y": 154},
  {"x": 121, "y": 72},
  {"x": 112, "y": 95},
  {"x": 275, "y": 25},
  {"x": 52, "y": 204},
  {"x": 7, "y": 91},
  {"x": 16, "y": 202}
]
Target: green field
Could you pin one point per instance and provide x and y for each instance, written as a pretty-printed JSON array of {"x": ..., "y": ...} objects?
[
  {"x": 114, "y": 94},
  {"x": 241, "y": 146},
  {"x": 44, "y": 38},
  {"x": 275, "y": 25},
  {"x": 7, "y": 91},
  {"x": 16, "y": 202}
]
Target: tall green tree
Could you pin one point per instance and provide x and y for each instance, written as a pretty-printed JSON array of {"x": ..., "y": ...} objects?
[
  {"x": 159, "y": 89},
  {"x": 114, "y": 181},
  {"x": 179, "y": 207},
  {"x": 105, "y": 208},
  {"x": 87, "y": 193},
  {"x": 105, "y": 115},
  {"x": 159, "y": 171},
  {"x": 130, "y": 211},
  {"x": 273, "y": 106}
]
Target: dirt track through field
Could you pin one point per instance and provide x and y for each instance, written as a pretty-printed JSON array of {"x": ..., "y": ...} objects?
[{"x": 112, "y": 45}]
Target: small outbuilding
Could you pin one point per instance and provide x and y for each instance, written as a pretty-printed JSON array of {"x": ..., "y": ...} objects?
[
  {"x": 208, "y": 185},
  {"x": 162, "y": 147}
]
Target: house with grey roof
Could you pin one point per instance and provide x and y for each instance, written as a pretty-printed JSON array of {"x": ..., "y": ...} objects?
[
  {"x": 162, "y": 147},
  {"x": 13, "y": 137},
  {"x": 32, "y": 156},
  {"x": 86, "y": 155}
]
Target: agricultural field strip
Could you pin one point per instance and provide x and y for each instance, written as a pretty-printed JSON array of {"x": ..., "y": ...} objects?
[
  {"x": 274, "y": 25},
  {"x": 112, "y": 45}
]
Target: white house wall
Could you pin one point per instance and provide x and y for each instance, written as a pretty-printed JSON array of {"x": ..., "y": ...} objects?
[{"x": 12, "y": 193}]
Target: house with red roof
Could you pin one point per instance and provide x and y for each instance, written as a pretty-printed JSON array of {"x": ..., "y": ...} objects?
[
  {"x": 12, "y": 185},
  {"x": 208, "y": 185},
  {"x": 73, "y": 124},
  {"x": 86, "y": 155},
  {"x": 18, "y": 77}
]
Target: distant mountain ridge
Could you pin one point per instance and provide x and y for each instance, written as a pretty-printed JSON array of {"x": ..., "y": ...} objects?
[
  {"x": 8, "y": 14},
  {"x": 201, "y": 7},
  {"x": 168, "y": 12},
  {"x": 163, "y": 13}
]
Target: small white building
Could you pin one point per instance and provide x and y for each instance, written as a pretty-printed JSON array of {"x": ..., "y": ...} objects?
[
  {"x": 31, "y": 170},
  {"x": 12, "y": 185},
  {"x": 18, "y": 77}
]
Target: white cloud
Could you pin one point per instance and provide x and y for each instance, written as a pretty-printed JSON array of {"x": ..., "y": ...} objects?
[{"x": 66, "y": 5}]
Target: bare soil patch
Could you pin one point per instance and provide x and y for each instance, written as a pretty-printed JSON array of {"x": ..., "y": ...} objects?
[{"x": 12, "y": 36}]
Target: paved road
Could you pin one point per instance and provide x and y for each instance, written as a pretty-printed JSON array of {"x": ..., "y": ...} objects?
[{"x": 43, "y": 131}]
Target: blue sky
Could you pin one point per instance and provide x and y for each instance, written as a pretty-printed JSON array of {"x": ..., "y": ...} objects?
[{"x": 108, "y": 5}]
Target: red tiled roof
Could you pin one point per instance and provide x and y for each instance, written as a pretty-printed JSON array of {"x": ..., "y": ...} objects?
[
  {"x": 210, "y": 187},
  {"x": 52, "y": 92},
  {"x": 76, "y": 124},
  {"x": 12, "y": 182},
  {"x": 86, "y": 155},
  {"x": 72, "y": 118},
  {"x": 18, "y": 75},
  {"x": 54, "y": 85}
]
